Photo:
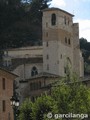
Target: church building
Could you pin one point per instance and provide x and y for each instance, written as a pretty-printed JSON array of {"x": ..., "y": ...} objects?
[{"x": 41, "y": 66}]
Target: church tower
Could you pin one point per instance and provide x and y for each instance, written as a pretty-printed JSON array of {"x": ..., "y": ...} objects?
[{"x": 60, "y": 42}]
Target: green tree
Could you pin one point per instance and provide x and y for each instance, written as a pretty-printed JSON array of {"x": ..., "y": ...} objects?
[
  {"x": 72, "y": 98},
  {"x": 66, "y": 97},
  {"x": 42, "y": 106},
  {"x": 11, "y": 12},
  {"x": 25, "y": 110},
  {"x": 36, "y": 8},
  {"x": 21, "y": 22},
  {"x": 85, "y": 48},
  {"x": 37, "y": 110}
]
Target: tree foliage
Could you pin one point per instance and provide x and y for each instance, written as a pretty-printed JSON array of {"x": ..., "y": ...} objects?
[
  {"x": 84, "y": 44},
  {"x": 25, "y": 110},
  {"x": 37, "y": 110},
  {"x": 73, "y": 97},
  {"x": 42, "y": 106},
  {"x": 20, "y": 22},
  {"x": 85, "y": 48}
]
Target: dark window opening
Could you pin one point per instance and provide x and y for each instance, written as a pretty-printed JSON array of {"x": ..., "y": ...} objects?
[
  {"x": 61, "y": 56},
  {"x": 47, "y": 44},
  {"x": 65, "y": 70},
  {"x": 53, "y": 19},
  {"x": 34, "y": 71},
  {"x": 65, "y": 40},
  {"x": 69, "y": 42},
  {"x": 3, "y": 83},
  {"x": 3, "y": 106}
]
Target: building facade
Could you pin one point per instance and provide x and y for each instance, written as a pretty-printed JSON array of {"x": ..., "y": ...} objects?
[{"x": 6, "y": 92}]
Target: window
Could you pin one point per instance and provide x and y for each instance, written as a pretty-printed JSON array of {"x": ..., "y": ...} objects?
[
  {"x": 65, "y": 70},
  {"x": 61, "y": 56},
  {"x": 34, "y": 71},
  {"x": 65, "y": 40},
  {"x": 69, "y": 42},
  {"x": 3, "y": 105},
  {"x": 3, "y": 83},
  {"x": 7, "y": 63},
  {"x": 53, "y": 19},
  {"x": 47, "y": 44}
]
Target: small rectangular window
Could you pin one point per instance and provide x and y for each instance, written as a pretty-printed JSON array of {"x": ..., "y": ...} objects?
[
  {"x": 47, "y": 44},
  {"x": 61, "y": 56},
  {"x": 65, "y": 40},
  {"x": 65, "y": 70},
  {"x": 3, "y": 106},
  {"x": 69, "y": 42},
  {"x": 3, "y": 83}
]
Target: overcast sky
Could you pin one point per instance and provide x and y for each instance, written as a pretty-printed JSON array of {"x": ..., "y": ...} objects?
[{"x": 81, "y": 10}]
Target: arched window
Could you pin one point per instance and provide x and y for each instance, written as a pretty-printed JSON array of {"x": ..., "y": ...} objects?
[
  {"x": 34, "y": 71},
  {"x": 53, "y": 19}
]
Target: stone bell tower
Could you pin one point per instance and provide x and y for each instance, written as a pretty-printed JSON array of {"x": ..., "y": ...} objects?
[{"x": 58, "y": 41}]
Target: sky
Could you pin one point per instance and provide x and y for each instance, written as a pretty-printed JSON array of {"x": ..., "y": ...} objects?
[{"x": 81, "y": 10}]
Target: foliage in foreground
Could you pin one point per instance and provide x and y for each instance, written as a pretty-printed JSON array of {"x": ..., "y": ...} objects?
[
  {"x": 73, "y": 97},
  {"x": 42, "y": 106},
  {"x": 26, "y": 110}
]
